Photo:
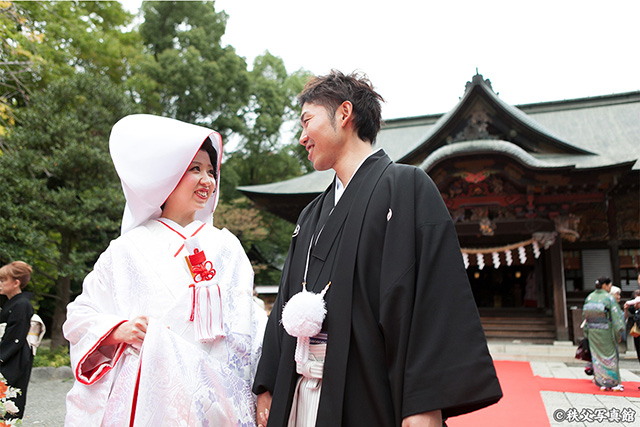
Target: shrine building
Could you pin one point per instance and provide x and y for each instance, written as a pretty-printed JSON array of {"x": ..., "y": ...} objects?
[{"x": 545, "y": 198}]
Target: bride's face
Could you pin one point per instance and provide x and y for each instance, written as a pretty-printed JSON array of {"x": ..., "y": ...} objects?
[{"x": 193, "y": 191}]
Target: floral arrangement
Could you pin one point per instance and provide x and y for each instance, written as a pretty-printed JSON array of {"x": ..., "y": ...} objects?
[{"x": 6, "y": 405}]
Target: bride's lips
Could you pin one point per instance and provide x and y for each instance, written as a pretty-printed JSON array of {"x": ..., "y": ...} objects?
[{"x": 203, "y": 193}]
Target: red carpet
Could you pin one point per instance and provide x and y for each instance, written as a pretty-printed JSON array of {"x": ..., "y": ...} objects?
[
  {"x": 585, "y": 386},
  {"x": 522, "y": 404},
  {"x": 520, "y": 392}
]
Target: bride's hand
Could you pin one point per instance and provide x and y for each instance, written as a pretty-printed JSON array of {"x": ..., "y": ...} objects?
[{"x": 131, "y": 332}]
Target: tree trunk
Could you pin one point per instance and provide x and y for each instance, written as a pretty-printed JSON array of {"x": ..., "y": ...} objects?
[{"x": 63, "y": 292}]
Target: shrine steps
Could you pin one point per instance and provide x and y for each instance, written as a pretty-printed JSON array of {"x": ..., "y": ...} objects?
[{"x": 519, "y": 327}]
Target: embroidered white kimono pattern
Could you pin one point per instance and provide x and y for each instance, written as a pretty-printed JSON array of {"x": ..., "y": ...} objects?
[{"x": 182, "y": 382}]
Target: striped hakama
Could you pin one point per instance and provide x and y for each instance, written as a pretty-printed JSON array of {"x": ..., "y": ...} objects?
[{"x": 306, "y": 398}]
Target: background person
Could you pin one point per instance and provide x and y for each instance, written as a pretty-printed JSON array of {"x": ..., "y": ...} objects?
[
  {"x": 402, "y": 342},
  {"x": 632, "y": 313},
  {"x": 604, "y": 329},
  {"x": 16, "y": 357},
  {"x": 166, "y": 331},
  {"x": 616, "y": 292}
]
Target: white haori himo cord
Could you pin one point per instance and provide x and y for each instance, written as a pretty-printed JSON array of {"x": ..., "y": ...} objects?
[
  {"x": 206, "y": 298},
  {"x": 303, "y": 314}
]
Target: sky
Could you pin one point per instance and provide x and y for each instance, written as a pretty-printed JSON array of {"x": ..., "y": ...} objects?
[{"x": 420, "y": 53}]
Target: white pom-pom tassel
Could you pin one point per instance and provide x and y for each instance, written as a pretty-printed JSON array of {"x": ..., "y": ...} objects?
[
  {"x": 465, "y": 258},
  {"x": 302, "y": 317},
  {"x": 480, "y": 260},
  {"x": 508, "y": 257},
  {"x": 496, "y": 260}
]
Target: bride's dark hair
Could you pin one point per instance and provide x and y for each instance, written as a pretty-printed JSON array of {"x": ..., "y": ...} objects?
[{"x": 207, "y": 146}]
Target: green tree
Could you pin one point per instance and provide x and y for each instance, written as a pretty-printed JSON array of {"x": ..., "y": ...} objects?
[
  {"x": 73, "y": 36},
  {"x": 263, "y": 154},
  {"x": 62, "y": 201},
  {"x": 189, "y": 75},
  {"x": 16, "y": 63},
  {"x": 264, "y": 157},
  {"x": 264, "y": 236},
  {"x": 41, "y": 42}
]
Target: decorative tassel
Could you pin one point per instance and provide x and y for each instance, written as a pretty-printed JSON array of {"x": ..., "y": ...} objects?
[
  {"x": 206, "y": 297},
  {"x": 193, "y": 302},
  {"x": 465, "y": 258},
  {"x": 206, "y": 312},
  {"x": 302, "y": 317},
  {"x": 480, "y": 260}
]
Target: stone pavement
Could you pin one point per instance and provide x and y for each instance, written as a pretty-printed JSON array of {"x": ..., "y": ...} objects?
[
  {"x": 614, "y": 410},
  {"x": 48, "y": 387}
]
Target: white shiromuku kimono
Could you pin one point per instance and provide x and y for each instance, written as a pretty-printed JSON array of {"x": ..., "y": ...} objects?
[{"x": 173, "y": 379}]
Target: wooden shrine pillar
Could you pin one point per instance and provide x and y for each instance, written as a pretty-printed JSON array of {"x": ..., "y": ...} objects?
[
  {"x": 556, "y": 263},
  {"x": 614, "y": 243}
]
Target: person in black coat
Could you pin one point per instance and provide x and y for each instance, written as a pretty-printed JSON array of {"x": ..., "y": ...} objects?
[
  {"x": 632, "y": 313},
  {"x": 16, "y": 357}
]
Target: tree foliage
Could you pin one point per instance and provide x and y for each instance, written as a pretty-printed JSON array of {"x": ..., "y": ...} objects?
[
  {"x": 44, "y": 41},
  {"x": 262, "y": 157},
  {"x": 16, "y": 62},
  {"x": 190, "y": 76},
  {"x": 264, "y": 236},
  {"x": 83, "y": 36},
  {"x": 62, "y": 198}
]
